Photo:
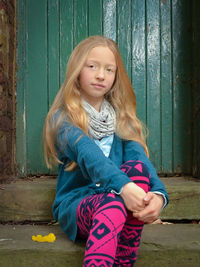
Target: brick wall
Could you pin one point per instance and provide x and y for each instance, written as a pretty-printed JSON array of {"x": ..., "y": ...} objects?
[{"x": 7, "y": 87}]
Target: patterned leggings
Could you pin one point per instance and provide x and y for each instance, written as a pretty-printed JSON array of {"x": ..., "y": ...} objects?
[{"x": 113, "y": 234}]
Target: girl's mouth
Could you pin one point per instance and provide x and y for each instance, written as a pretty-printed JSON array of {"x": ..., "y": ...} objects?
[{"x": 98, "y": 85}]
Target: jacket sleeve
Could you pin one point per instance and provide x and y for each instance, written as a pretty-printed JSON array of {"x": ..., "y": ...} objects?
[
  {"x": 135, "y": 151},
  {"x": 74, "y": 144}
]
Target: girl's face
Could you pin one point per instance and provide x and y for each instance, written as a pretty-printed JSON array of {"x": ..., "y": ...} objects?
[{"x": 97, "y": 75}]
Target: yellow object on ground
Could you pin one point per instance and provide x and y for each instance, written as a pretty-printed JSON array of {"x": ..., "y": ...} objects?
[{"x": 47, "y": 238}]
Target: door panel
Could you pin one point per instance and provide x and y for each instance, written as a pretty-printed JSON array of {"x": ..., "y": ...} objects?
[{"x": 154, "y": 38}]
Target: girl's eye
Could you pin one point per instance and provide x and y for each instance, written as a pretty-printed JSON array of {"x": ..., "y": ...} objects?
[
  {"x": 110, "y": 70},
  {"x": 91, "y": 66}
]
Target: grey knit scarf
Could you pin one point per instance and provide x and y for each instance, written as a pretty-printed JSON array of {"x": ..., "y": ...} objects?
[{"x": 101, "y": 123}]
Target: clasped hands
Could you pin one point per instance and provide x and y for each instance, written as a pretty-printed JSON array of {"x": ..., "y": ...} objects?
[{"x": 145, "y": 207}]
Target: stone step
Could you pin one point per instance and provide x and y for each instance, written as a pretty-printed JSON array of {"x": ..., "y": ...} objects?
[
  {"x": 31, "y": 199},
  {"x": 173, "y": 245}
]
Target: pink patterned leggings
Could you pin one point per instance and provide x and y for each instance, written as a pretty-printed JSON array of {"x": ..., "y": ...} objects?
[{"x": 113, "y": 234}]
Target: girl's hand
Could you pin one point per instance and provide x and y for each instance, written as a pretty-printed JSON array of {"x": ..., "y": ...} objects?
[
  {"x": 154, "y": 204},
  {"x": 133, "y": 197}
]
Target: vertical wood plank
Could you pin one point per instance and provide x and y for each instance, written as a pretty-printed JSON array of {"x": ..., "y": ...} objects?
[
  {"x": 139, "y": 57},
  {"x": 153, "y": 81},
  {"x": 66, "y": 34},
  {"x": 196, "y": 88},
  {"x": 95, "y": 17},
  {"x": 53, "y": 54},
  {"x": 80, "y": 20},
  {"x": 181, "y": 16},
  {"x": 53, "y": 49},
  {"x": 110, "y": 19},
  {"x": 166, "y": 88},
  {"x": 124, "y": 33},
  {"x": 21, "y": 156},
  {"x": 36, "y": 84}
]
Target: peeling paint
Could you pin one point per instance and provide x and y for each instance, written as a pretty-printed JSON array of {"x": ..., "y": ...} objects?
[
  {"x": 24, "y": 119},
  {"x": 110, "y": 19}
]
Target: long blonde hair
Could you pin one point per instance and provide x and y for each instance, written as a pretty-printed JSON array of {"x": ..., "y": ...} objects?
[{"x": 68, "y": 100}]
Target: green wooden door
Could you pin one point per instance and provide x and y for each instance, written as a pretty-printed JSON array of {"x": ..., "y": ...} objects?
[{"x": 154, "y": 37}]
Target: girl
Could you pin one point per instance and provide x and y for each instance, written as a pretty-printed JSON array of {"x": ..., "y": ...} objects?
[{"x": 107, "y": 187}]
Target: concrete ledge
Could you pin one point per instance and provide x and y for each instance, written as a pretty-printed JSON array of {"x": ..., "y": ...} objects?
[
  {"x": 27, "y": 200},
  {"x": 184, "y": 193},
  {"x": 32, "y": 199},
  {"x": 162, "y": 245},
  {"x": 174, "y": 245}
]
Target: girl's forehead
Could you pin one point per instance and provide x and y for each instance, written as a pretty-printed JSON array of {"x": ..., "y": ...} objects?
[{"x": 102, "y": 53}]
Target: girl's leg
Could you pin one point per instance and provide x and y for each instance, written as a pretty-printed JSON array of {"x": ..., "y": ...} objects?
[
  {"x": 111, "y": 233},
  {"x": 101, "y": 218},
  {"x": 129, "y": 239}
]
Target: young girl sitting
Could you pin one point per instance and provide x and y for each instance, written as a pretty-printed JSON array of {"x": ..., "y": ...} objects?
[{"x": 107, "y": 188}]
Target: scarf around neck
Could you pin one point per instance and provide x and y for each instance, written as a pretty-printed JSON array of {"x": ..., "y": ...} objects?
[{"x": 101, "y": 123}]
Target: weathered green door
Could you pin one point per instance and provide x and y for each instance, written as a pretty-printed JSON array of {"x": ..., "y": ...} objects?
[{"x": 154, "y": 37}]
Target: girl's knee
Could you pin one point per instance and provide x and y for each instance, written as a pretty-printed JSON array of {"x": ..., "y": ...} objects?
[
  {"x": 138, "y": 173},
  {"x": 137, "y": 167}
]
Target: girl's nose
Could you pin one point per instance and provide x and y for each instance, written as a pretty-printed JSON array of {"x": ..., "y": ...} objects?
[{"x": 100, "y": 74}]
